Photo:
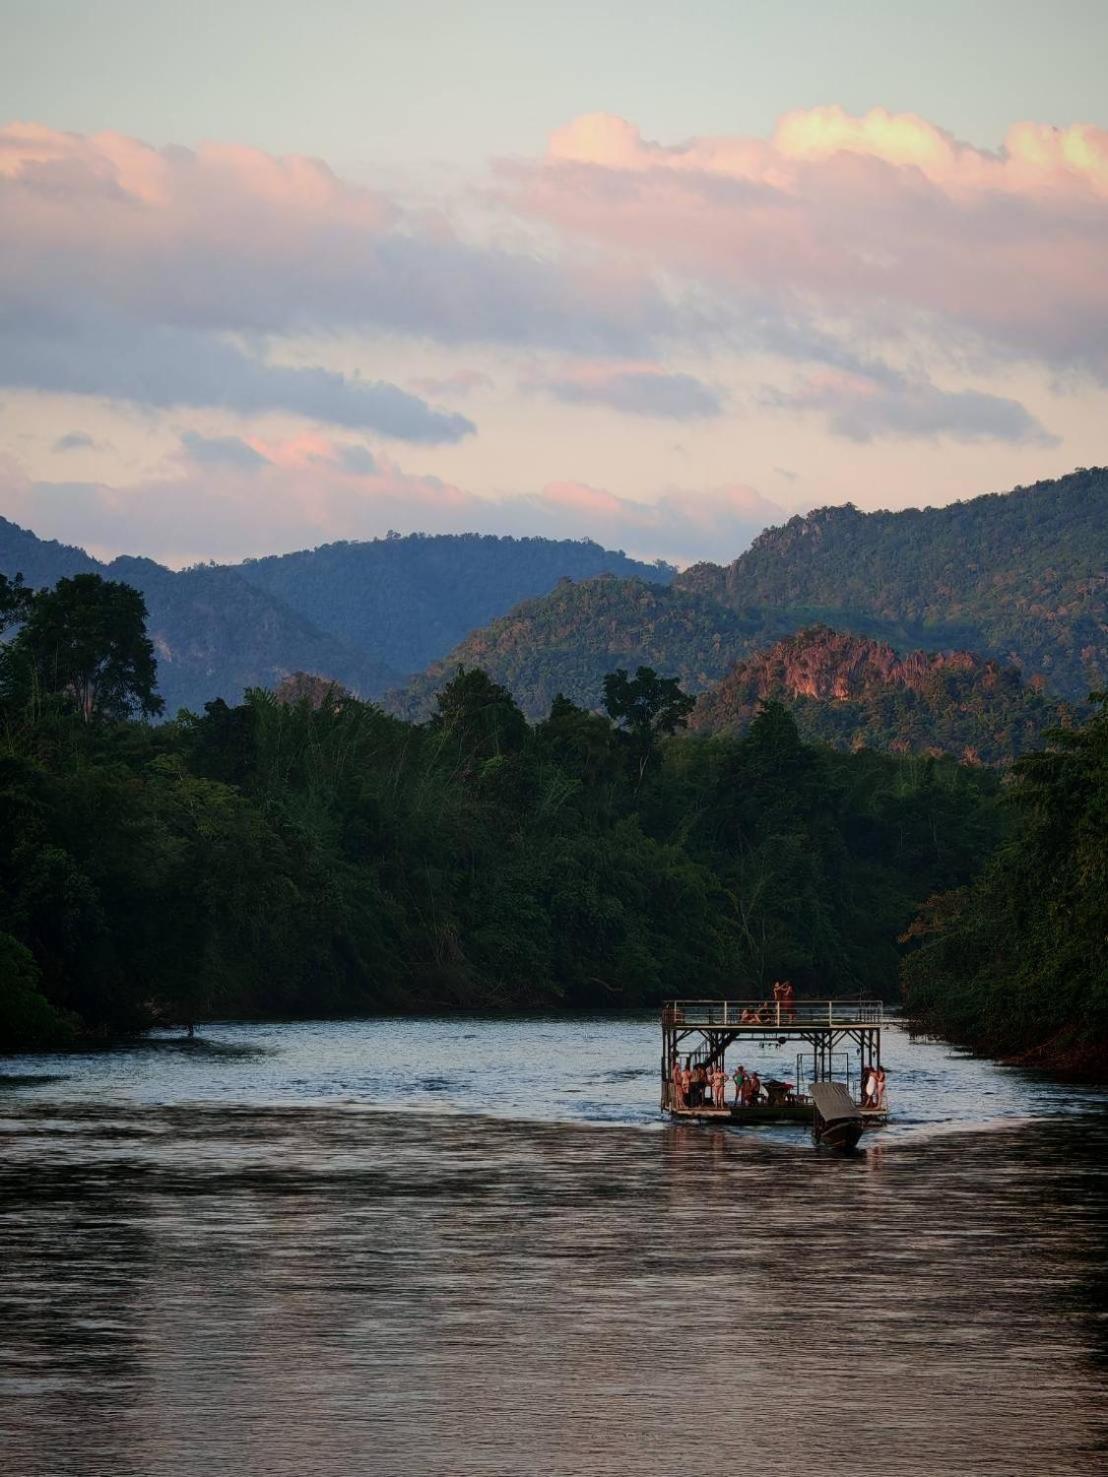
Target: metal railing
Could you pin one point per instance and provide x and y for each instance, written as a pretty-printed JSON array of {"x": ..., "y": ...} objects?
[{"x": 773, "y": 1013}]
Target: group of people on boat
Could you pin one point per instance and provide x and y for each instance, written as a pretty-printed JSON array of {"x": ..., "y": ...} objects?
[
  {"x": 706, "y": 1085},
  {"x": 700, "y": 1085},
  {"x": 782, "y": 1009},
  {"x": 873, "y": 1087}
]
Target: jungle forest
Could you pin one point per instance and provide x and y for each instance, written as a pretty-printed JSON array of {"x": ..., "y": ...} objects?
[{"x": 306, "y": 853}]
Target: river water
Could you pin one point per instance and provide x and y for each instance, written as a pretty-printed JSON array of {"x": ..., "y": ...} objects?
[{"x": 472, "y": 1247}]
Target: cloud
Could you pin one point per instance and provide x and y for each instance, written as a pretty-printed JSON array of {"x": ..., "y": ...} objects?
[
  {"x": 882, "y": 225},
  {"x": 864, "y": 408},
  {"x": 635, "y": 389},
  {"x": 220, "y": 451},
  {"x": 226, "y": 498},
  {"x": 457, "y": 385},
  {"x": 224, "y": 238},
  {"x": 683, "y": 525},
  {"x": 882, "y": 405},
  {"x": 75, "y": 441},
  {"x": 174, "y": 278},
  {"x": 215, "y": 501},
  {"x": 168, "y": 367},
  {"x": 358, "y": 459}
]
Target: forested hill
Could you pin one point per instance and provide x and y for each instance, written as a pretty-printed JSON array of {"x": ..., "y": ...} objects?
[
  {"x": 853, "y": 692},
  {"x": 567, "y": 641},
  {"x": 363, "y": 614},
  {"x": 1021, "y": 576},
  {"x": 411, "y": 599},
  {"x": 214, "y": 633}
]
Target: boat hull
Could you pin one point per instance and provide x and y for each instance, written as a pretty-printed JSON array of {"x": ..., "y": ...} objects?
[
  {"x": 764, "y": 1113},
  {"x": 841, "y": 1135}
]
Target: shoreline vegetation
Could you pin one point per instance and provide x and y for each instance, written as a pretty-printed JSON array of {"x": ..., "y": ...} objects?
[{"x": 305, "y": 853}]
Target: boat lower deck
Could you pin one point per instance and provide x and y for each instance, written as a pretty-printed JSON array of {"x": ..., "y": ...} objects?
[{"x": 795, "y": 1112}]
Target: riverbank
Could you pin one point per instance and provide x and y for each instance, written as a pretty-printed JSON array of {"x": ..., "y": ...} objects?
[{"x": 1065, "y": 1054}]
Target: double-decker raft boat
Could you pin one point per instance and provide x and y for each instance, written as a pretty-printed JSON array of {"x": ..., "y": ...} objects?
[{"x": 838, "y": 1048}]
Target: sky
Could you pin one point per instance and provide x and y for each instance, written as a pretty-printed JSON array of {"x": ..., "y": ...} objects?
[{"x": 657, "y": 274}]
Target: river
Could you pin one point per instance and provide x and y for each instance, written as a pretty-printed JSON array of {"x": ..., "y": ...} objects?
[{"x": 451, "y": 1247}]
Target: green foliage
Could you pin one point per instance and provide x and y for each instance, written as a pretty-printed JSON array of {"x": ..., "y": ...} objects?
[
  {"x": 315, "y": 854},
  {"x": 411, "y": 599},
  {"x": 645, "y": 707},
  {"x": 86, "y": 641},
  {"x": 565, "y": 643},
  {"x": 14, "y": 600},
  {"x": 1017, "y": 962},
  {"x": 27, "y": 1020},
  {"x": 360, "y": 614},
  {"x": 1019, "y": 576},
  {"x": 478, "y": 717}
]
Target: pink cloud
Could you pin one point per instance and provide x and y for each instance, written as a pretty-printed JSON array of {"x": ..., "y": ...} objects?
[
  {"x": 882, "y": 222},
  {"x": 228, "y": 238},
  {"x": 231, "y": 497},
  {"x": 1035, "y": 156},
  {"x": 167, "y": 277},
  {"x": 643, "y": 389}
]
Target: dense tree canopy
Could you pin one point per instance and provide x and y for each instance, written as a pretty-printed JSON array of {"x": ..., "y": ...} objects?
[
  {"x": 1020, "y": 576},
  {"x": 85, "y": 640},
  {"x": 1017, "y": 961},
  {"x": 316, "y": 855}
]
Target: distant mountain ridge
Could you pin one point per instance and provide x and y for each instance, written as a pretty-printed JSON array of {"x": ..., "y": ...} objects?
[
  {"x": 214, "y": 633},
  {"x": 362, "y": 614},
  {"x": 412, "y": 598},
  {"x": 1020, "y": 576},
  {"x": 854, "y": 692}
]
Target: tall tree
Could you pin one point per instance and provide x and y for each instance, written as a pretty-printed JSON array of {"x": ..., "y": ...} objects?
[
  {"x": 14, "y": 600},
  {"x": 87, "y": 639},
  {"x": 479, "y": 715},
  {"x": 645, "y": 706}
]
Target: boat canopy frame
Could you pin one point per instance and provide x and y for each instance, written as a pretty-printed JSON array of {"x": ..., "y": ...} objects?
[{"x": 824, "y": 1026}]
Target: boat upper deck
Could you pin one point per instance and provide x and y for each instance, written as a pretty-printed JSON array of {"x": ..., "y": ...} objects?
[{"x": 750, "y": 1015}]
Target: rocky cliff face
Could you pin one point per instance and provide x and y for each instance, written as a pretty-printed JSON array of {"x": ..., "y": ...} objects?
[
  {"x": 854, "y": 692},
  {"x": 833, "y": 665}
]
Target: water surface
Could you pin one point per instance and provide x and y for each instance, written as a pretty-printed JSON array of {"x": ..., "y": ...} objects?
[{"x": 472, "y": 1247}]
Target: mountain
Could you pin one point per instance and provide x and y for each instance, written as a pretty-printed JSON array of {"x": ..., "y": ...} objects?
[
  {"x": 215, "y": 634},
  {"x": 1019, "y": 576},
  {"x": 1020, "y": 579},
  {"x": 569, "y": 640},
  {"x": 409, "y": 600},
  {"x": 364, "y": 614},
  {"x": 853, "y": 692}
]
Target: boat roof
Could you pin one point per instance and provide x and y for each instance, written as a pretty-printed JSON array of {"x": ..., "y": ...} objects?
[{"x": 833, "y": 1101}]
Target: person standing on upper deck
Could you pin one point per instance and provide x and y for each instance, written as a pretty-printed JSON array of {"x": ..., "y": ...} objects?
[{"x": 788, "y": 998}]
